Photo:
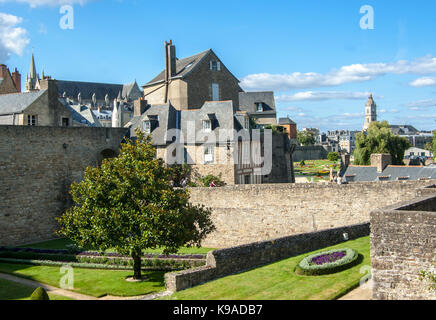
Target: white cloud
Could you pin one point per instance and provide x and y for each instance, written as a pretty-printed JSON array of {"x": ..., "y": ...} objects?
[
  {"x": 421, "y": 104},
  {"x": 13, "y": 39},
  {"x": 345, "y": 74},
  {"x": 424, "y": 82},
  {"x": 323, "y": 95},
  {"x": 39, "y": 3}
]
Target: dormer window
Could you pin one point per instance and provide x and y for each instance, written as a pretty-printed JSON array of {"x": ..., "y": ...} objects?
[
  {"x": 215, "y": 66},
  {"x": 259, "y": 106},
  {"x": 207, "y": 125}
]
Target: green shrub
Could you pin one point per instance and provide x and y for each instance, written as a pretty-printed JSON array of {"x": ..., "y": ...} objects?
[
  {"x": 206, "y": 180},
  {"x": 308, "y": 268},
  {"x": 39, "y": 294},
  {"x": 302, "y": 163},
  {"x": 333, "y": 156}
]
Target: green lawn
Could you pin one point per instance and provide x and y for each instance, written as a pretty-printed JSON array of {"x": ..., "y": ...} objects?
[
  {"x": 278, "y": 281},
  {"x": 10, "y": 290},
  {"x": 91, "y": 282},
  {"x": 62, "y": 244}
]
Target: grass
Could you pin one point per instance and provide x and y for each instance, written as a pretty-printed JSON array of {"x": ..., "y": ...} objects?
[
  {"x": 91, "y": 282},
  {"x": 278, "y": 281},
  {"x": 10, "y": 290},
  {"x": 62, "y": 244}
]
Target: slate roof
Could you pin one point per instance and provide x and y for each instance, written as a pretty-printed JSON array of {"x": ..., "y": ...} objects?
[
  {"x": 219, "y": 112},
  {"x": 403, "y": 129},
  {"x": 391, "y": 173},
  {"x": 166, "y": 120},
  {"x": 183, "y": 67},
  {"x": 87, "y": 89},
  {"x": 286, "y": 121},
  {"x": 248, "y": 100},
  {"x": 18, "y": 102},
  {"x": 82, "y": 114}
]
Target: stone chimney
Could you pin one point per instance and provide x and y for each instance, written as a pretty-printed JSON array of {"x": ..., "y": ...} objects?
[
  {"x": 3, "y": 71},
  {"x": 16, "y": 77},
  {"x": 346, "y": 160},
  {"x": 170, "y": 60},
  {"x": 139, "y": 107},
  {"x": 381, "y": 161}
]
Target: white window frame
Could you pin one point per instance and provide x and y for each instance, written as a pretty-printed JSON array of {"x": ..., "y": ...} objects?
[
  {"x": 259, "y": 107},
  {"x": 207, "y": 125},
  {"x": 147, "y": 126},
  {"x": 215, "y": 65},
  {"x": 209, "y": 154}
]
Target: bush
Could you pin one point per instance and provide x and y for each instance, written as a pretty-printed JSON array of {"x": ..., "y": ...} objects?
[
  {"x": 309, "y": 268},
  {"x": 206, "y": 180},
  {"x": 302, "y": 163},
  {"x": 333, "y": 156},
  {"x": 39, "y": 294}
]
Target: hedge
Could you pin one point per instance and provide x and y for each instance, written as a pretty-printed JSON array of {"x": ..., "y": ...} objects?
[{"x": 307, "y": 267}]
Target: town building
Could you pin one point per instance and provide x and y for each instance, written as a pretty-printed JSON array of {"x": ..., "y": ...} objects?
[
  {"x": 188, "y": 83},
  {"x": 381, "y": 169},
  {"x": 35, "y": 108}
]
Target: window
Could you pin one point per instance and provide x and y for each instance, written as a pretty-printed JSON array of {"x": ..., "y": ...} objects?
[
  {"x": 209, "y": 154},
  {"x": 215, "y": 92},
  {"x": 65, "y": 122},
  {"x": 147, "y": 127},
  {"x": 207, "y": 125},
  {"x": 247, "y": 123},
  {"x": 259, "y": 107},
  {"x": 247, "y": 179},
  {"x": 215, "y": 66},
  {"x": 32, "y": 120}
]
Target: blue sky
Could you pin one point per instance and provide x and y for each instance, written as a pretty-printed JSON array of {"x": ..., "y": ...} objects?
[{"x": 312, "y": 53}]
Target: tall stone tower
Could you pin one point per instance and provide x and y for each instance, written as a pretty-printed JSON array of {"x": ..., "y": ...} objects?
[
  {"x": 370, "y": 112},
  {"x": 32, "y": 79}
]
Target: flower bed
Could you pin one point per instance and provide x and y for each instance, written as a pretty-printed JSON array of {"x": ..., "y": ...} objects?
[
  {"x": 327, "y": 262},
  {"x": 152, "y": 261}
]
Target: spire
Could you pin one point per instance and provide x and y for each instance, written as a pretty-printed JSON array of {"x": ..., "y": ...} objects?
[{"x": 32, "y": 79}]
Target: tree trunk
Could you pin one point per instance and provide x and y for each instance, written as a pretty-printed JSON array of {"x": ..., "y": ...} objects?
[{"x": 136, "y": 255}]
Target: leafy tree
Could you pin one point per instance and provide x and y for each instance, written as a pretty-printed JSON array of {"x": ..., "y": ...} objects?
[
  {"x": 128, "y": 204},
  {"x": 333, "y": 156},
  {"x": 428, "y": 146},
  {"x": 306, "y": 138},
  {"x": 379, "y": 139},
  {"x": 433, "y": 145},
  {"x": 180, "y": 172}
]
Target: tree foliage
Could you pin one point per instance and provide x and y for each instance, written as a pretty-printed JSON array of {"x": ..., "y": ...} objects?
[
  {"x": 128, "y": 205},
  {"x": 306, "y": 138},
  {"x": 379, "y": 139},
  {"x": 433, "y": 145},
  {"x": 333, "y": 156}
]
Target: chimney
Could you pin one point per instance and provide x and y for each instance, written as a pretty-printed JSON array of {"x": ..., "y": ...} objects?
[
  {"x": 170, "y": 60},
  {"x": 139, "y": 107},
  {"x": 3, "y": 71},
  {"x": 16, "y": 77},
  {"x": 381, "y": 161},
  {"x": 346, "y": 160}
]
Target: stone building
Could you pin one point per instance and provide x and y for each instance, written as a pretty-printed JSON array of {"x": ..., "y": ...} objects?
[
  {"x": 214, "y": 139},
  {"x": 188, "y": 83},
  {"x": 259, "y": 106},
  {"x": 9, "y": 83},
  {"x": 35, "y": 108}
]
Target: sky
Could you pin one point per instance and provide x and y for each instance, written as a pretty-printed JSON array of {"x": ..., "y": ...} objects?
[{"x": 321, "y": 58}]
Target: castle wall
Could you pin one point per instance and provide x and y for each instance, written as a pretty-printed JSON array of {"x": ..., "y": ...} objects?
[
  {"x": 37, "y": 166},
  {"x": 403, "y": 243},
  {"x": 249, "y": 213}
]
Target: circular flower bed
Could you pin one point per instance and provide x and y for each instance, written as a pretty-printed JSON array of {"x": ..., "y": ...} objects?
[{"x": 327, "y": 262}]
